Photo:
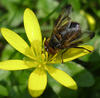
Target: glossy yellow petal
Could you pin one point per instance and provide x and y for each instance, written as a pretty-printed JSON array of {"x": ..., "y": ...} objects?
[
  {"x": 73, "y": 53},
  {"x": 37, "y": 82},
  {"x": 62, "y": 77},
  {"x": 17, "y": 42},
  {"x": 16, "y": 65},
  {"x": 32, "y": 29}
]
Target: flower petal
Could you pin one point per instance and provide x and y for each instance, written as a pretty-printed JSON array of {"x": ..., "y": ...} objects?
[
  {"x": 37, "y": 82},
  {"x": 16, "y": 41},
  {"x": 16, "y": 65},
  {"x": 32, "y": 29},
  {"x": 62, "y": 77},
  {"x": 73, "y": 53}
]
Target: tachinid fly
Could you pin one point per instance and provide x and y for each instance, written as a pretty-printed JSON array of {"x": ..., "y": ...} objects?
[{"x": 66, "y": 34}]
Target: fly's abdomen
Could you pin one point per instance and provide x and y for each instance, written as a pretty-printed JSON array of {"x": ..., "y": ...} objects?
[{"x": 54, "y": 42}]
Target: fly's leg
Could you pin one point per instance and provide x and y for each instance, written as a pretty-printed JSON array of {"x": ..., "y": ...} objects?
[
  {"x": 62, "y": 58},
  {"x": 73, "y": 47},
  {"x": 62, "y": 55},
  {"x": 83, "y": 48}
]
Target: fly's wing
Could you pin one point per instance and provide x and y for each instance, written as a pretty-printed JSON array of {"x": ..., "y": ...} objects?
[
  {"x": 83, "y": 37},
  {"x": 63, "y": 19}
]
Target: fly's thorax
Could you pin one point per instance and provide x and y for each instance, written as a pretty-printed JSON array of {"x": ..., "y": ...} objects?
[{"x": 49, "y": 47}]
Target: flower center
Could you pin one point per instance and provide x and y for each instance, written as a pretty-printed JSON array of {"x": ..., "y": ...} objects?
[{"x": 42, "y": 60}]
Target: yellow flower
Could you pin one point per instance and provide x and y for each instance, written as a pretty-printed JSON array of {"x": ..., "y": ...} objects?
[{"x": 37, "y": 57}]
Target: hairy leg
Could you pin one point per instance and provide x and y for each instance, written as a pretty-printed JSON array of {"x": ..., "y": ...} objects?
[{"x": 83, "y": 48}]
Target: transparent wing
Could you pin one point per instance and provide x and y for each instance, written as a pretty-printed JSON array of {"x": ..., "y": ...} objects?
[
  {"x": 84, "y": 37},
  {"x": 63, "y": 19}
]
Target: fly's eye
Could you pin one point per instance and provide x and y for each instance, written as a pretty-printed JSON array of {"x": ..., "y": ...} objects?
[
  {"x": 74, "y": 24},
  {"x": 47, "y": 49}
]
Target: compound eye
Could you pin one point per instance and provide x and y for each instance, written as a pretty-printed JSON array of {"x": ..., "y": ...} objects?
[
  {"x": 74, "y": 25},
  {"x": 47, "y": 49}
]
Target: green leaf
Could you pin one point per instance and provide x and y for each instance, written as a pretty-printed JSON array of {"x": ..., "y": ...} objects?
[
  {"x": 22, "y": 76},
  {"x": 75, "y": 4},
  {"x": 95, "y": 90},
  {"x": 7, "y": 52},
  {"x": 95, "y": 42},
  {"x": 4, "y": 74},
  {"x": 3, "y": 91},
  {"x": 82, "y": 76},
  {"x": 61, "y": 91},
  {"x": 10, "y": 53},
  {"x": 97, "y": 12},
  {"x": 94, "y": 57},
  {"x": 16, "y": 17},
  {"x": 45, "y": 7}
]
